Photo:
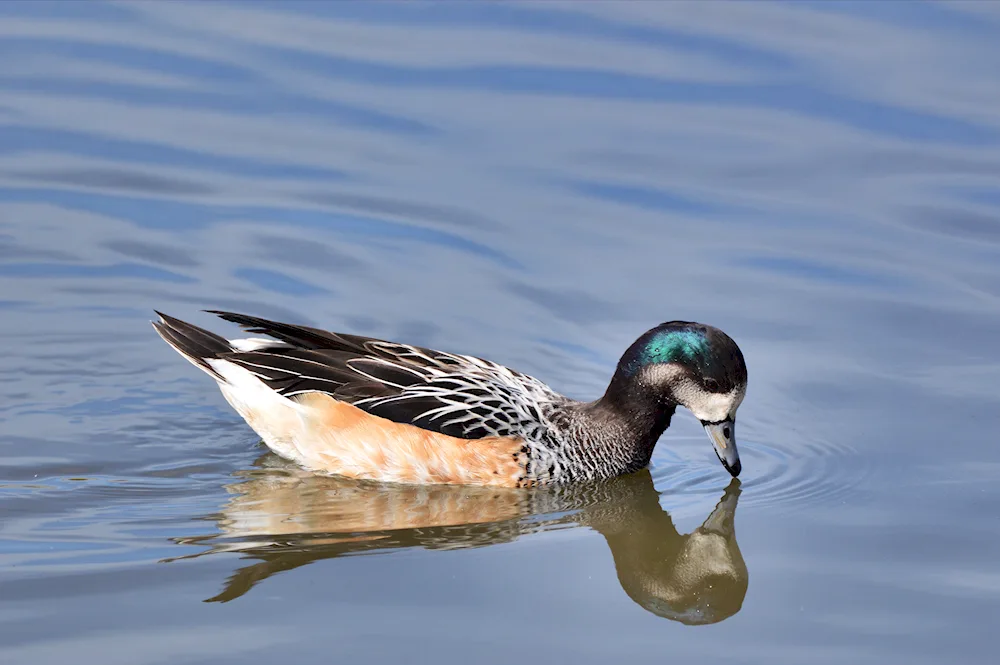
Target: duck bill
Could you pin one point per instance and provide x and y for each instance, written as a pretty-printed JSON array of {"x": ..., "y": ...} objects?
[{"x": 723, "y": 437}]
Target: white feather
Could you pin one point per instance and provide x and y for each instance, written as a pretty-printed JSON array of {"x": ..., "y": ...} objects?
[
  {"x": 706, "y": 406},
  {"x": 254, "y": 344},
  {"x": 265, "y": 411}
]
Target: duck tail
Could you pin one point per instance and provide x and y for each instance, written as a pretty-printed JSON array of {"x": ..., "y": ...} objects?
[{"x": 196, "y": 344}]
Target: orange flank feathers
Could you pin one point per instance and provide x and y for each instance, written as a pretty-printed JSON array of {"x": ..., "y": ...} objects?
[{"x": 327, "y": 435}]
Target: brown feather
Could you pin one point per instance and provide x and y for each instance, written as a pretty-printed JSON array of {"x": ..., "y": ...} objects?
[
  {"x": 327, "y": 435},
  {"x": 348, "y": 441}
]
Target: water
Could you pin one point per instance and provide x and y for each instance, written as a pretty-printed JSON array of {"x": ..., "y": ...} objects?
[{"x": 536, "y": 184}]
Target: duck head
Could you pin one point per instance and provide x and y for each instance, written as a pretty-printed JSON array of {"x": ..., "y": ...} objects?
[{"x": 695, "y": 366}]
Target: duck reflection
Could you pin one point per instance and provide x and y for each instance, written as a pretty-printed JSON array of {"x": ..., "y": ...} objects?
[{"x": 285, "y": 518}]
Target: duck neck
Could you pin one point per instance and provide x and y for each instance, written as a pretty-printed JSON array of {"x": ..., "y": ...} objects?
[{"x": 631, "y": 417}]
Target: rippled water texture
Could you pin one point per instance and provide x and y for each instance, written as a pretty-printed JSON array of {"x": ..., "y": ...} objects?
[{"x": 536, "y": 184}]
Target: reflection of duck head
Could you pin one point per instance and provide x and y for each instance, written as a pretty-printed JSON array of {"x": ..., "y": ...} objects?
[
  {"x": 286, "y": 518},
  {"x": 694, "y": 578}
]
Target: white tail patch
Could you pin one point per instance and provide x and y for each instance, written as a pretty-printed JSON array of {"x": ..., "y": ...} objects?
[
  {"x": 275, "y": 418},
  {"x": 255, "y": 344}
]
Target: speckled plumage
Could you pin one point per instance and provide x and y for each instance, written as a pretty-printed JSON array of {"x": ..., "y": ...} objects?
[{"x": 369, "y": 408}]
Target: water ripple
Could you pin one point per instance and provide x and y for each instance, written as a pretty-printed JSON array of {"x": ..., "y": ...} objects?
[{"x": 782, "y": 477}]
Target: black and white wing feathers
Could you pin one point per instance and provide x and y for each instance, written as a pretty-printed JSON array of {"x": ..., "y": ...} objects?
[{"x": 458, "y": 395}]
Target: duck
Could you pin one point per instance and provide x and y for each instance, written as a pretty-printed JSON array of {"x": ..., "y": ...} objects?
[{"x": 370, "y": 409}]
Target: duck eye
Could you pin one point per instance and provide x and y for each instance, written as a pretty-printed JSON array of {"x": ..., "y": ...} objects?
[{"x": 711, "y": 385}]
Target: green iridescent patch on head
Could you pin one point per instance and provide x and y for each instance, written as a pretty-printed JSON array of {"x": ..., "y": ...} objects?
[{"x": 674, "y": 346}]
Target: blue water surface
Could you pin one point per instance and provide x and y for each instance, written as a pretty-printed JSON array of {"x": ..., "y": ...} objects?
[{"x": 538, "y": 184}]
